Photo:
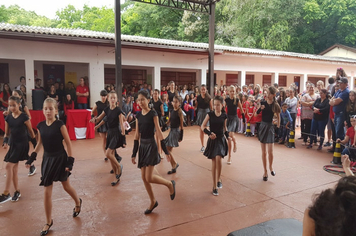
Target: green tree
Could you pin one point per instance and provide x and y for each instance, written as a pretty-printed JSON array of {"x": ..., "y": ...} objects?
[{"x": 68, "y": 16}]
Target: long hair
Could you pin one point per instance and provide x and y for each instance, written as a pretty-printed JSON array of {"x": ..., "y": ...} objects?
[
  {"x": 22, "y": 100},
  {"x": 334, "y": 211},
  {"x": 180, "y": 112},
  {"x": 232, "y": 87},
  {"x": 221, "y": 100},
  {"x": 350, "y": 107},
  {"x": 275, "y": 107},
  {"x": 6, "y": 94},
  {"x": 341, "y": 72}
]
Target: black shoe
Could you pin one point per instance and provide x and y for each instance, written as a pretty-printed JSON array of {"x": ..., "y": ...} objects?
[
  {"x": 5, "y": 198},
  {"x": 310, "y": 146},
  {"x": 147, "y": 211},
  {"x": 76, "y": 213},
  {"x": 174, "y": 170},
  {"x": 173, "y": 195},
  {"x": 215, "y": 192},
  {"x": 32, "y": 170},
  {"x": 44, "y": 232},
  {"x": 115, "y": 182},
  {"x": 265, "y": 178},
  {"x": 119, "y": 175},
  {"x": 219, "y": 185},
  {"x": 273, "y": 173},
  {"x": 16, "y": 196}
]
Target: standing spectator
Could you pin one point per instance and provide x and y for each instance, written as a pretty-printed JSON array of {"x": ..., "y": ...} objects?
[
  {"x": 282, "y": 97},
  {"x": 82, "y": 94},
  {"x": 22, "y": 82},
  {"x": 350, "y": 107},
  {"x": 320, "y": 85},
  {"x": 4, "y": 96},
  {"x": 340, "y": 73},
  {"x": 71, "y": 91},
  {"x": 163, "y": 91},
  {"x": 307, "y": 102},
  {"x": 184, "y": 92},
  {"x": 285, "y": 123},
  {"x": 171, "y": 93},
  {"x": 38, "y": 84},
  {"x": 60, "y": 91},
  {"x": 321, "y": 110},
  {"x": 292, "y": 102},
  {"x": 52, "y": 93},
  {"x": 331, "y": 84},
  {"x": 339, "y": 102}
]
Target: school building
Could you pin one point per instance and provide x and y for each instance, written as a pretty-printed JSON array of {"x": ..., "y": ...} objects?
[{"x": 64, "y": 55}]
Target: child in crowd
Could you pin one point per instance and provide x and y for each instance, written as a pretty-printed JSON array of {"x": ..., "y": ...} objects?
[
  {"x": 188, "y": 109},
  {"x": 144, "y": 143},
  {"x": 56, "y": 163},
  {"x": 165, "y": 104},
  {"x": 68, "y": 105},
  {"x": 286, "y": 121},
  {"x": 216, "y": 147},
  {"x": 135, "y": 107},
  {"x": 163, "y": 91},
  {"x": 127, "y": 109},
  {"x": 349, "y": 139},
  {"x": 250, "y": 114},
  {"x": 98, "y": 109},
  {"x": 176, "y": 133},
  {"x": 257, "y": 116},
  {"x": 16, "y": 124},
  {"x": 239, "y": 115}
]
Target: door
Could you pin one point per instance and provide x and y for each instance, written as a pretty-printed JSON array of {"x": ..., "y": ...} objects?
[
  {"x": 297, "y": 82},
  {"x": 52, "y": 74}
]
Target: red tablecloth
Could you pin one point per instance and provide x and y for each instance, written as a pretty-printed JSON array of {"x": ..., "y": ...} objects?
[
  {"x": 79, "y": 119},
  {"x": 36, "y": 117}
]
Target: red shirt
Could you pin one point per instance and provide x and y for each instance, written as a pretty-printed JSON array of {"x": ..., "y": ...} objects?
[
  {"x": 163, "y": 92},
  {"x": 351, "y": 133},
  {"x": 135, "y": 108},
  {"x": 69, "y": 106},
  {"x": 2, "y": 96},
  {"x": 82, "y": 89}
]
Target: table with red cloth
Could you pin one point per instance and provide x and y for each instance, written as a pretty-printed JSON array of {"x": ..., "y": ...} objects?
[
  {"x": 79, "y": 118},
  {"x": 36, "y": 117}
]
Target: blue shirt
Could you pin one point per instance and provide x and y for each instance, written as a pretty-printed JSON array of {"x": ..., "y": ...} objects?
[
  {"x": 344, "y": 95},
  {"x": 165, "y": 107},
  {"x": 285, "y": 117}
]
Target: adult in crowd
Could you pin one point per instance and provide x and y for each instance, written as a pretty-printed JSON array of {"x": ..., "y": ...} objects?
[
  {"x": 320, "y": 86},
  {"x": 257, "y": 92},
  {"x": 321, "y": 110},
  {"x": 22, "y": 82},
  {"x": 71, "y": 90},
  {"x": 350, "y": 107},
  {"x": 330, "y": 124},
  {"x": 307, "y": 102},
  {"x": 292, "y": 102},
  {"x": 171, "y": 93},
  {"x": 339, "y": 102},
  {"x": 4, "y": 95},
  {"x": 82, "y": 93},
  {"x": 183, "y": 92},
  {"x": 38, "y": 83},
  {"x": 52, "y": 93},
  {"x": 23, "y": 90}
]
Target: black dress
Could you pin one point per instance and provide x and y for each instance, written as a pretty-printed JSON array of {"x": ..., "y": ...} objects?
[
  {"x": 232, "y": 119},
  {"x": 147, "y": 153},
  {"x": 266, "y": 129},
  {"x": 174, "y": 133},
  {"x": 100, "y": 108},
  {"x": 114, "y": 137},
  {"x": 19, "y": 146},
  {"x": 218, "y": 146},
  {"x": 54, "y": 155},
  {"x": 202, "y": 110},
  {"x": 157, "y": 107}
]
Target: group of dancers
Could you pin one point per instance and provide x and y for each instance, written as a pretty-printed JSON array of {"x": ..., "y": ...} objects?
[{"x": 57, "y": 162}]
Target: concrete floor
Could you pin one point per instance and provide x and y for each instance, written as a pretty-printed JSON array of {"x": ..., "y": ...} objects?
[{"x": 244, "y": 200}]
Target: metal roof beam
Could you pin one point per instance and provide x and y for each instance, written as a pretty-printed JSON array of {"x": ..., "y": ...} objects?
[{"x": 195, "y": 6}]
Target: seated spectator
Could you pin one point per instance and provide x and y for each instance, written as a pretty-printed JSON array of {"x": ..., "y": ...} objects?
[
  {"x": 127, "y": 109},
  {"x": 68, "y": 104},
  {"x": 135, "y": 107},
  {"x": 285, "y": 124},
  {"x": 71, "y": 90},
  {"x": 52, "y": 93},
  {"x": 333, "y": 212},
  {"x": 4, "y": 96},
  {"x": 23, "y": 90},
  {"x": 22, "y": 82}
]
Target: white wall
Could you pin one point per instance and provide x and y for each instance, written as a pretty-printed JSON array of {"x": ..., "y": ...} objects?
[
  {"x": 95, "y": 57},
  {"x": 16, "y": 70},
  {"x": 340, "y": 52}
]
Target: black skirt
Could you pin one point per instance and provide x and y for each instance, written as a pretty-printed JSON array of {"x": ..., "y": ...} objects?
[
  {"x": 18, "y": 151},
  {"x": 216, "y": 147},
  {"x": 53, "y": 168},
  {"x": 232, "y": 123},
  {"x": 148, "y": 153},
  {"x": 115, "y": 139},
  {"x": 172, "y": 138},
  {"x": 103, "y": 128},
  {"x": 201, "y": 114},
  {"x": 266, "y": 132}
]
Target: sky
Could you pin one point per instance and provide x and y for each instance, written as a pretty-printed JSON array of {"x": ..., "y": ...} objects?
[{"x": 48, "y": 8}]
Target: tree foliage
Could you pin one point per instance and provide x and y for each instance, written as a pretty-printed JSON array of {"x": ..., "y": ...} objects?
[{"x": 307, "y": 26}]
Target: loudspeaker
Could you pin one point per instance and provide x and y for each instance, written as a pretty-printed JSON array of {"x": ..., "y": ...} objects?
[{"x": 37, "y": 99}]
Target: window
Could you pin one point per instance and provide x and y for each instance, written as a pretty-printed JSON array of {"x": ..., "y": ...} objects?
[
  {"x": 179, "y": 78},
  {"x": 314, "y": 80},
  {"x": 282, "y": 81},
  {"x": 231, "y": 79},
  {"x": 250, "y": 79},
  {"x": 267, "y": 80},
  {"x": 128, "y": 75}
]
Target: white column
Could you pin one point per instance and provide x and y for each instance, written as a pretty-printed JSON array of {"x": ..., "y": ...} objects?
[
  {"x": 303, "y": 80},
  {"x": 96, "y": 81},
  {"x": 156, "y": 77},
  {"x": 202, "y": 76},
  {"x": 242, "y": 78},
  {"x": 30, "y": 80},
  {"x": 351, "y": 83},
  {"x": 275, "y": 78}
]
